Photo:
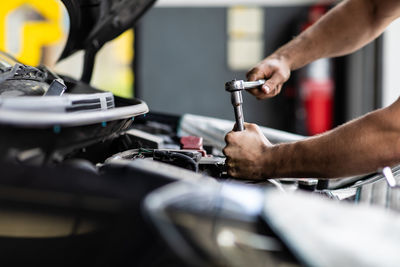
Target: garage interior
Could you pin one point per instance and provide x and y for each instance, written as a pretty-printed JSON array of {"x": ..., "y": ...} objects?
[{"x": 124, "y": 166}]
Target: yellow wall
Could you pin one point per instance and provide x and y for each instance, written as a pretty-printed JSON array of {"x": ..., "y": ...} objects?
[
  {"x": 113, "y": 70},
  {"x": 37, "y": 31},
  {"x": 44, "y": 30}
]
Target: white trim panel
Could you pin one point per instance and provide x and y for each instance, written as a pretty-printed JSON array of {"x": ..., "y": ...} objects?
[
  {"x": 49, "y": 119},
  {"x": 391, "y": 58}
]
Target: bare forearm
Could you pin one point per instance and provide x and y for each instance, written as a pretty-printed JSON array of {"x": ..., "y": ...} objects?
[
  {"x": 347, "y": 27},
  {"x": 361, "y": 146}
]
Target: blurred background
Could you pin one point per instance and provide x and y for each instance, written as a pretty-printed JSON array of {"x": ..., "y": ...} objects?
[{"x": 182, "y": 52}]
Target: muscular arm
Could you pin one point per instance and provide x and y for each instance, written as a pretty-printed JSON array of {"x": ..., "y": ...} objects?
[
  {"x": 360, "y": 146},
  {"x": 347, "y": 27}
]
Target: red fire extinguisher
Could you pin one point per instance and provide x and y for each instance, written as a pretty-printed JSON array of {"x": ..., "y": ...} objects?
[{"x": 317, "y": 87}]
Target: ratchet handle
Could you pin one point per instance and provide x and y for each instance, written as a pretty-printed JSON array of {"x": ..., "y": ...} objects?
[
  {"x": 237, "y": 101},
  {"x": 253, "y": 84},
  {"x": 240, "y": 85}
]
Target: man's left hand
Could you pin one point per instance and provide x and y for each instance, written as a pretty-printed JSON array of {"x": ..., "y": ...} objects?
[{"x": 247, "y": 153}]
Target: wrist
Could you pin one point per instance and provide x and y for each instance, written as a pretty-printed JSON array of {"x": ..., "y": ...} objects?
[
  {"x": 284, "y": 56},
  {"x": 269, "y": 162},
  {"x": 280, "y": 160},
  {"x": 297, "y": 53}
]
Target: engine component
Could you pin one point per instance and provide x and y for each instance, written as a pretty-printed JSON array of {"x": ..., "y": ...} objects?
[
  {"x": 185, "y": 159},
  {"x": 213, "y": 166},
  {"x": 21, "y": 80},
  {"x": 193, "y": 143},
  {"x": 144, "y": 139},
  {"x": 182, "y": 158}
]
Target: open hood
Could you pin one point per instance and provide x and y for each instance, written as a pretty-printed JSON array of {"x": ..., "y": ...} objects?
[
  {"x": 95, "y": 22},
  {"x": 62, "y": 123}
]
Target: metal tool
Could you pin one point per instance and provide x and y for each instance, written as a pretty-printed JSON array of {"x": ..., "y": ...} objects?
[{"x": 236, "y": 87}]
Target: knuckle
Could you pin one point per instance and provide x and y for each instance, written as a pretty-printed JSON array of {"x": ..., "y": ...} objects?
[
  {"x": 285, "y": 75},
  {"x": 282, "y": 75},
  {"x": 275, "y": 87},
  {"x": 252, "y": 126},
  {"x": 253, "y": 72},
  {"x": 231, "y": 172},
  {"x": 279, "y": 76},
  {"x": 271, "y": 85},
  {"x": 228, "y": 138}
]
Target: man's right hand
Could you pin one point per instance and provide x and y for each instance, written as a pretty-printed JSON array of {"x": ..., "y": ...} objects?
[{"x": 275, "y": 70}]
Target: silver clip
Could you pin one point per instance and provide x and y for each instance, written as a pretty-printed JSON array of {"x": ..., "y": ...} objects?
[{"x": 388, "y": 174}]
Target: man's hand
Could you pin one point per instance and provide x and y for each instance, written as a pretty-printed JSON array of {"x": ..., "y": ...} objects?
[
  {"x": 246, "y": 153},
  {"x": 275, "y": 70}
]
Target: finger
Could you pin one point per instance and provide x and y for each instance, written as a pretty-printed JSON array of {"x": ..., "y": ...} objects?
[
  {"x": 273, "y": 85},
  {"x": 250, "y": 126},
  {"x": 272, "y": 92},
  {"x": 255, "y": 74},
  {"x": 263, "y": 92},
  {"x": 256, "y": 92},
  {"x": 230, "y": 164},
  {"x": 229, "y": 138},
  {"x": 232, "y": 172},
  {"x": 225, "y": 151}
]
